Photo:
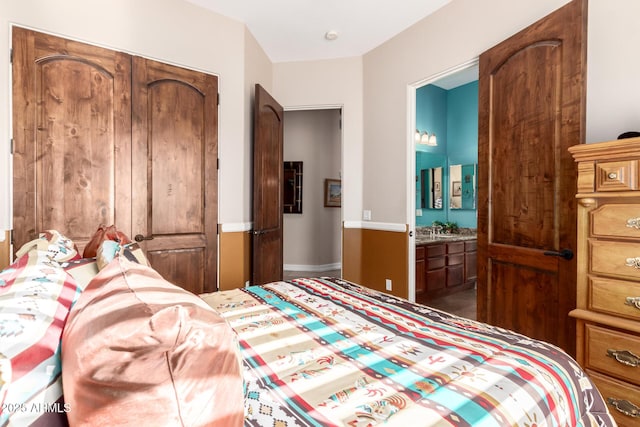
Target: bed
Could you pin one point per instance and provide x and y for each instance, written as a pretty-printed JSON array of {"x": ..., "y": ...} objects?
[
  {"x": 92, "y": 341},
  {"x": 324, "y": 352}
]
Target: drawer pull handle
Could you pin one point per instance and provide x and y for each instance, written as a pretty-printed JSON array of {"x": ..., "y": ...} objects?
[
  {"x": 633, "y": 301},
  {"x": 624, "y": 406},
  {"x": 612, "y": 175},
  {"x": 633, "y": 223},
  {"x": 633, "y": 262},
  {"x": 625, "y": 357}
]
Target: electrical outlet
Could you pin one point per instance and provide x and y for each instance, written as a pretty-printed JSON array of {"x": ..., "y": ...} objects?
[
  {"x": 388, "y": 284},
  {"x": 247, "y": 284},
  {"x": 418, "y": 212},
  {"x": 366, "y": 215}
]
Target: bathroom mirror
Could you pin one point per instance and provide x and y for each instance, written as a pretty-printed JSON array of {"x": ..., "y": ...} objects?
[
  {"x": 462, "y": 191},
  {"x": 431, "y": 184},
  {"x": 292, "y": 187}
]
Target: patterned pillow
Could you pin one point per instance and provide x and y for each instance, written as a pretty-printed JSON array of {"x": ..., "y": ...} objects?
[
  {"x": 5, "y": 378},
  {"x": 109, "y": 249},
  {"x": 35, "y": 297}
]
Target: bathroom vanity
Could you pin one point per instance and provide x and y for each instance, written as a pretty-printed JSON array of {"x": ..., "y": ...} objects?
[{"x": 445, "y": 264}]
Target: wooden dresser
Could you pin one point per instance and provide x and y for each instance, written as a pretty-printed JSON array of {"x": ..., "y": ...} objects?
[{"x": 608, "y": 280}]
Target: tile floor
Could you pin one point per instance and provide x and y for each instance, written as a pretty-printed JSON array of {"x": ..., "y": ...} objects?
[{"x": 461, "y": 303}]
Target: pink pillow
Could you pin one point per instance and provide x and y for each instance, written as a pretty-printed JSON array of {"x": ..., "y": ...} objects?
[{"x": 137, "y": 350}]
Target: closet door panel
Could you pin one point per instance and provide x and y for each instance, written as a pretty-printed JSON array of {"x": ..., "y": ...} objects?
[
  {"x": 72, "y": 138},
  {"x": 175, "y": 172},
  {"x": 176, "y": 151}
]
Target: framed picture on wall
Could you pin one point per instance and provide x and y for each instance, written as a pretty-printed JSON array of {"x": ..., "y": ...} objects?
[
  {"x": 332, "y": 193},
  {"x": 456, "y": 188}
]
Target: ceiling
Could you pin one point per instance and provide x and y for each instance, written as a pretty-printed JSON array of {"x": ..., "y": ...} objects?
[{"x": 294, "y": 30}]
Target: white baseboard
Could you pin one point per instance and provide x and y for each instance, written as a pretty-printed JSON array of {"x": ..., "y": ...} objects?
[{"x": 313, "y": 268}]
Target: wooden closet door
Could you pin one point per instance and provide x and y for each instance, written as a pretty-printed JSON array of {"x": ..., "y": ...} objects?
[
  {"x": 175, "y": 172},
  {"x": 72, "y": 137}
]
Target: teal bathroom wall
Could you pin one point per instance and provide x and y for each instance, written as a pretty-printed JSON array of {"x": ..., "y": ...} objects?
[
  {"x": 431, "y": 116},
  {"x": 453, "y": 116}
]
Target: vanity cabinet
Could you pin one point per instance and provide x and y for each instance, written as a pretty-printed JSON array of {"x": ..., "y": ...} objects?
[
  {"x": 444, "y": 267},
  {"x": 470, "y": 261},
  {"x": 608, "y": 280}
]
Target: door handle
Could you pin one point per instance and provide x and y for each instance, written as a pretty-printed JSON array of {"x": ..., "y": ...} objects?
[
  {"x": 139, "y": 238},
  {"x": 564, "y": 253}
]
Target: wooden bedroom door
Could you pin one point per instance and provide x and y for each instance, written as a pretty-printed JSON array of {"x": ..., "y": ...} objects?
[
  {"x": 532, "y": 108},
  {"x": 72, "y": 137},
  {"x": 175, "y": 146},
  {"x": 268, "y": 188}
]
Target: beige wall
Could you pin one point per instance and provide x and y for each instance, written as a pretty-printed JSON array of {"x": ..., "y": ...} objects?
[
  {"x": 613, "y": 81},
  {"x": 330, "y": 83},
  {"x": 258, "y": 69},
  {"x": 460, "y": 32},
  {"x": 455, "y": 34},
  {"x": 312, "y": 240},
  {"x": 172, "y": 31},
  {"x": 372, "y": 90}
]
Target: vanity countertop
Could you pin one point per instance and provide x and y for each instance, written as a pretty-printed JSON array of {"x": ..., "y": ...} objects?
[{"x": 427, "y": 239}]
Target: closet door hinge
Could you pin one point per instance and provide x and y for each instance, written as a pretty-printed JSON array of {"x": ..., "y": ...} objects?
[
  {"x": 218, "y": 98},
  {"x": 218, "y": 163},
  {"x": 11, "y": 146},
  {"x": 12, "y": 239},
  {"x": 10, "y": 56}
]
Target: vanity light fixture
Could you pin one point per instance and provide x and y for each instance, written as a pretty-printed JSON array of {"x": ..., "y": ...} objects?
[{"x": 426, "y": 139}]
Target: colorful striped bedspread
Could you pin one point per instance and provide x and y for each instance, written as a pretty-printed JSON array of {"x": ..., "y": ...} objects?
[{"x": 325, "y": 352}]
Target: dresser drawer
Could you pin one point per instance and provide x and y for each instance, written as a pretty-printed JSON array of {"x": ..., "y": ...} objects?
[
  {"x": 615, "y": 297},
  {"x": 614, "y": 393},
  {"x": 615, "y": 258},
  {"x": 616, "y": 220},
  {"x": 614, "y": 353},
  {"x": 617, "y": 176}
]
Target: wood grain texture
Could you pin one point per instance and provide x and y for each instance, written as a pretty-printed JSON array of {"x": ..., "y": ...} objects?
[
  {"x": 268, "y": 189},
  {"x": 175, "y": 146},
  {"x": 103, "y": 137},
  {"x": 611, "y": 388},
  {"x": 532, "y": 108},
  {"x": 72, "y": 137},
  {"x": 609, "y": 242}
]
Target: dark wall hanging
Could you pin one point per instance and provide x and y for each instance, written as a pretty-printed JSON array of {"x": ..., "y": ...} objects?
[{"x": 293, "y": 187}]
